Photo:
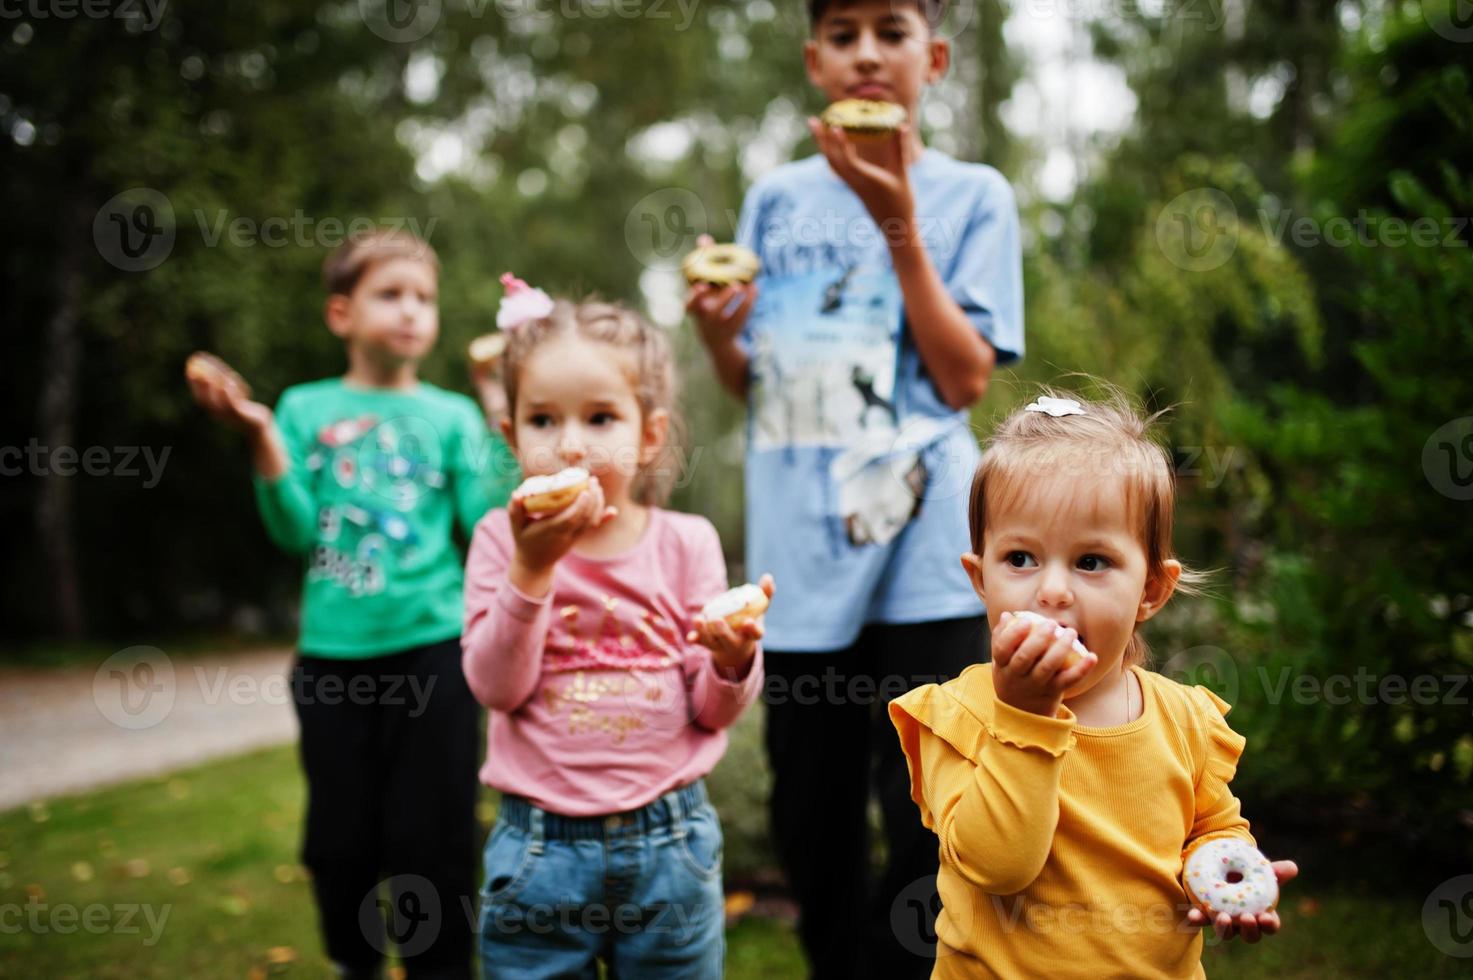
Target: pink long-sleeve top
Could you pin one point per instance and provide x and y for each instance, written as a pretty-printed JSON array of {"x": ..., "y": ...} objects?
[{"x": 598, "y": 703}]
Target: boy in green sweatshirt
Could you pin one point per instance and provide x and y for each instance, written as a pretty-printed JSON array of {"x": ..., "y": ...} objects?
[{"x": 364, "y": 475}]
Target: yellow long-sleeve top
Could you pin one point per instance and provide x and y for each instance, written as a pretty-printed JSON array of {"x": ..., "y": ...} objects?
[{"x": 1062, "y": 846}]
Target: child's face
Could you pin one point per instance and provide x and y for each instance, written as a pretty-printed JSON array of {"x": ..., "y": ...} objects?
[
  {"x": 393, "y": 313},
  {"x": 1066, "y": 549},
  {"x": 576, "y": 406},
  {"x": 875, "y": 49}
]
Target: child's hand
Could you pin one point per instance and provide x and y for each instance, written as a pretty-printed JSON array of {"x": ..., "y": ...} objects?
[
  {"x": 542, "y": 541},
  {"x": 225, "y": 402},
  {"x": 732, "y": 648},
  {"x": 1252, "y": 929},
  {"x": 718, "y": 318},
  {"x": 490, "y": 390},
  {"x": 884, "y": 189},
  {"x": 1028, "y": 660}
]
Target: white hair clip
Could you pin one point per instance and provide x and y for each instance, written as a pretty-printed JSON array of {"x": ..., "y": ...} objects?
[{"x": 1057, "y": 407}]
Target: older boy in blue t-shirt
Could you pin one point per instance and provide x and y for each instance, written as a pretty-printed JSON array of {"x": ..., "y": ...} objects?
[{"x": 891, "y": 286}]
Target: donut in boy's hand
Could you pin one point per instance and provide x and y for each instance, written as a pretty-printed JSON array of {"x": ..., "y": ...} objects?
[
  {"x": 738, "y": 606},
  {"x": 486, "y": 350},
  {"x": 543, "y": 495},
  {"x": 720, "y": 265},
  {"x": 1075, "y": 655},
  {"x": 1230, "y": 875},
  {"x": 209, "y": 369},
  {"x": 865, "y": 119}
]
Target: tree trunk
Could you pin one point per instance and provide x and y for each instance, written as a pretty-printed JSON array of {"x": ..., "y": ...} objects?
[{"x": 56, "y": 419}]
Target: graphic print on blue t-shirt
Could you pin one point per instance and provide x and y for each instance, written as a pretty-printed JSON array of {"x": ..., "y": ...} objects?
[{"x": 823, "y": 367}]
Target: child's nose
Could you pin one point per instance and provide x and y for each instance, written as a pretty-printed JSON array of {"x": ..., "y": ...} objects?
[
  {"x": 868, "y": 49},
  {"x": 571, "y": 446},
  {"x": 1053, "y": 588}
]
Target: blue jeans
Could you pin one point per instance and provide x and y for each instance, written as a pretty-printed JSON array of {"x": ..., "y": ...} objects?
[{"x": 641, "y": 890}]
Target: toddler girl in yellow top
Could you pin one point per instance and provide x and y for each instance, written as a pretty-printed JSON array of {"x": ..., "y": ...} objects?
[{"x": 1068, "y": 789}]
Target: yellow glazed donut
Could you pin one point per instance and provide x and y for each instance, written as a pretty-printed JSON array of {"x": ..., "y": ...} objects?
[
  {"x": 720, "y": 265},
  {"x": 1075, "y": 655},
  {"x": 210, "y": 369},
  {"x": 487, "y": 349},
  {"x": 742, "y": 604},
  {"x": 1230, "y": 875},
  {"x": 865, "y": 119},
  {"x": 542, "y": 495}
]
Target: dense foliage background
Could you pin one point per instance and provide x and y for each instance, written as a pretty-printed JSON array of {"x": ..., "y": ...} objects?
[{"x": 1278, "y": 245}]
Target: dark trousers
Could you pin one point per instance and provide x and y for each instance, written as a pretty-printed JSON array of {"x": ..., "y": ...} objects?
[
  {"x": 390, "y": 746},
  {"x": 829, "y": 740}
]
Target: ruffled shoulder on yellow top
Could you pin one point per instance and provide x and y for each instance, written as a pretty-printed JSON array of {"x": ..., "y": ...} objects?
[
  {"x": 1199, "y": 718},
  {"x": 964, "y": 713}
]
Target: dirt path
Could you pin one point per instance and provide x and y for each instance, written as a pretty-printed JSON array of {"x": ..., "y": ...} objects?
[{"x": 138, "y": 714}]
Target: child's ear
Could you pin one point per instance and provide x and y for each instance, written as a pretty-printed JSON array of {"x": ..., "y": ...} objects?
[
  {"x": 335, "y": 314},
  {"x": 810, "y": 61},
  {"x": 509, "y": 431},
  {"x": 1158, "y": 590},
  {"x": 655, "y": 430},
  {"x": 972, "y": 565},
  {"x": 940, "y": 60}
]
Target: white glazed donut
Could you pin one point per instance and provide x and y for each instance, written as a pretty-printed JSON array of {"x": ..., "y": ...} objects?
[
  {"x": 1079, "y": 648},
  {"x": 737, "y": 606},
  {"x": 546, "y": 494},
  {"x": 1231, "y": 875}
]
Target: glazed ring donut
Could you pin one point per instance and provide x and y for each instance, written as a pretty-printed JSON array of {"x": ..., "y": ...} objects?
[
  {"x": 209, "y": 369},
  {"x": 865, "y": 119},
  {"x": 1075, "y": 655},
  {"x": 720, "y": 265},
  {"x": 542, "y": 495},
  {"x": 487, "y": 349},
  {"x": 742, "y": 604},
  {"x": 1230, "y": 875}
]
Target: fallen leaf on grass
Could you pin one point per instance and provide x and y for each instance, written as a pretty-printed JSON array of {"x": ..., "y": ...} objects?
[
  {"x": 40, "y": 813},
  {"x": 180, "y": 876},
  {"x": 82, "y": 871},
  {"x": 1308, "y": 907},
  {"x": 278, "y": 955},
  {"x": 235, "y": 905},
  {"x": 137, "y": 868},
  {"x": 739, "y": 904}
]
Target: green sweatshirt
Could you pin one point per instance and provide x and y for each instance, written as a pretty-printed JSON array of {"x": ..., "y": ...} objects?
[{"x": 376, "y": 478}]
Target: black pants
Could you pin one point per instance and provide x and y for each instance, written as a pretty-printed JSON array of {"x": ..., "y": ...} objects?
[
  {"x": 390, "y": 747},
  {"x": 829, "y": 739}
]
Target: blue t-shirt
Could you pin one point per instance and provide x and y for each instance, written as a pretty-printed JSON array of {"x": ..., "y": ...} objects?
[{"x": 857, "y": 472}]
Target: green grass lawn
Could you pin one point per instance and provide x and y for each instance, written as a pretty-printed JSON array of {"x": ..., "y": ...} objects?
[{"x": 195, "y": 875}]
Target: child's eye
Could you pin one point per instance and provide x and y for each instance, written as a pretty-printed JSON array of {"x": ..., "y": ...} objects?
[
  {"x": 540, "y": 420},
  {"x": 1019, "y": 559},
  {"x": 894, "y": 37},
  {"x": 1094, "y": 563},
  {"x": 601, "y": 418},
  {"x": 841, "y": 38}
]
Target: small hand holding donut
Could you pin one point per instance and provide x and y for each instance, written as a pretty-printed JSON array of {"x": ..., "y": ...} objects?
[
  {"x": 732, "y": 647},
  {"x": 229, "y": 403},
  {"x": 718, "y": 318},
  {"x": 542, "y": 541},
  {"x": 884, "y": 188},
  {"x": 1029, "y": 664},
  {"x": 1250, "y": 927}
]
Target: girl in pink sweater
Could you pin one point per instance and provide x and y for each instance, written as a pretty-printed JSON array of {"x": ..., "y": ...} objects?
[{"x": 609, "y": 694}]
